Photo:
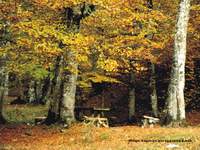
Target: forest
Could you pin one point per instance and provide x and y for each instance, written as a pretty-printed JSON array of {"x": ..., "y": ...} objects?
[{"x": 99, "y": 74}]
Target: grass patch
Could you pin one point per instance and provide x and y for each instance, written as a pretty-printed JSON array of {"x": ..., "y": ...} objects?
[
  {"x": 24, "y": 113},
  {"x": 104, "y": 136}
]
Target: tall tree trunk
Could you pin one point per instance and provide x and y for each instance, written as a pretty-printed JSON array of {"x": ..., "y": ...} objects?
[
  {"x": 2, "y": 119},
  {"x": 153, "y": 94},
  {"x": 175, "y": 102},
  {"x": 3, "y": 72},
  {"x": 55, "y": 93},
  {"x": 132, "y": 96},
  {"x": 6, "y": 84},
  {"x": 69, "y": 89},
  {"x": 2, "y": 89},
  {"x": 31, "y": 92}
]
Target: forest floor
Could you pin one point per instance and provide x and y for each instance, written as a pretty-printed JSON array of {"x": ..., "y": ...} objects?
[{"x": 25, "y": 136}]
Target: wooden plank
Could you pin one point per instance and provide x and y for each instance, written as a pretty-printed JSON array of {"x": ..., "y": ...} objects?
[
  {"x": 151, "y": 118},
  {"x": 39, "y": 120},
  {"x": 92, "y": 108},
  {"x": 94, "y": 118},
  {"x": 101, "y": 109}
]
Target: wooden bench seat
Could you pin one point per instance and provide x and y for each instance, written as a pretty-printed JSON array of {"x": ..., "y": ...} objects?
[
  {"x": 39, "y": 120},
  {"x": 148, "y": 120}
]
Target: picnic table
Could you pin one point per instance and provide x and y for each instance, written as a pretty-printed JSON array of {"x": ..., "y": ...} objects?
[
  {"x": 94, "y": 111},
  {"x": 96, "y": 118},
  {"x": 148, "y": 120},
  {"x": 100, "y": 111}
]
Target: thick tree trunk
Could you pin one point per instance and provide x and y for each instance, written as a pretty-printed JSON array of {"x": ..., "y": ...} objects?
[
  {"x": 175, "y": 102},
  {"x": 2, "y": 89},
  {"x": 3, "y": 72},
  {"x": 2, "y": 119},
  {"x": 55, "y": 94},
  {"x": 153, "y": 94},
  {"x": 69, "y": 89},
  {"x": 132, "y": 96}
]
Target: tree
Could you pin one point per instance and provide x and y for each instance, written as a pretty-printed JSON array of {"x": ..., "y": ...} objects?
[
  {"x": 153, "y": 92},
  {"x": 132, "y": 103},
  {"x": 5, "y": 39},
  {"x": 2, "y": 88},
  {"x": 69, "y": 63},
  {"x": 3, "y": 72},
  {"x": 175, "y": 103},
  {"x": 55, "y": 94}
]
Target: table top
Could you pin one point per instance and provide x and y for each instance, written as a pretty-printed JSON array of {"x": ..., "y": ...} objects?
[
  {"x": 93, "y": 108},
  {"x": 101, "y": 109}
]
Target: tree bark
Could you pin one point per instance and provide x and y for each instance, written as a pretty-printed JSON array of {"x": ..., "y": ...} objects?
[
  {"x": 3, "y": 72},
  {"x": 132, "y": 96},
  {"x": 6, "y": 84},
  {"x": 2, "y": 89},
  {"x": 55, "y": 93},
  {"x": 175, "y": 102},
  {"x": 31, "y": 91},
  {"x": 69, "y": 89},
  {"x": 2, "y": 119},
  {"x": 153, "y": 94}
]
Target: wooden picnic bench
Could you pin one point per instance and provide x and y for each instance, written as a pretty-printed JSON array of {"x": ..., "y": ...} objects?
[
  {"x": 147, "y": 120},
  {"x": 96, "y": 121},
  {"x": 39, "y": 120},
  {"x": 96, "y": 118}
]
